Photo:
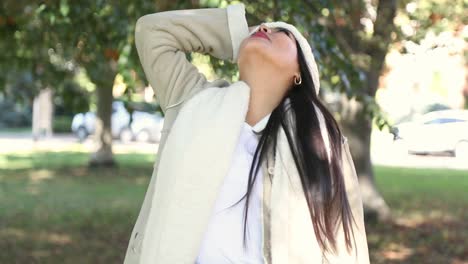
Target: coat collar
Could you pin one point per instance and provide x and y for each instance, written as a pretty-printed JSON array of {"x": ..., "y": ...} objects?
[{"x": 260, "y": 125}]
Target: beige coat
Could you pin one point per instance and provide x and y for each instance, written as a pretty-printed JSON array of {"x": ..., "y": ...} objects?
[{"x": 202, "y": 124}]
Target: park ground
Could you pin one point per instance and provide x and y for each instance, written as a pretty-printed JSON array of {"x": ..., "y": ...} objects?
[{"x": 54, "y": 209}]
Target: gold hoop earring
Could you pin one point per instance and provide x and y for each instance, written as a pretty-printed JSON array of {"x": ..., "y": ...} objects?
[{"x": 296, "y": 82}]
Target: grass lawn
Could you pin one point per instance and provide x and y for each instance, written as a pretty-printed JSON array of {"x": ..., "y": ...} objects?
[
  {"x": 15, "y": 130},
  {"x": 53, "y": 209},
  {"x": 431, "y": 209}
]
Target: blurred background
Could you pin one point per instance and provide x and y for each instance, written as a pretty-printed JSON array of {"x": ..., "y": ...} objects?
[{"x": 79, "y": 125}]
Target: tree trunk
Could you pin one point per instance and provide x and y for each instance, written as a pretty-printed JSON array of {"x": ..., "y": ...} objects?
[
  {"x": 103, "y": 132},
  {"x": 42, "y": 116},
  {"x": 465, "y": 90},
  {"x": 358, "y": 126},
  {"x": 355, "y": 123}
]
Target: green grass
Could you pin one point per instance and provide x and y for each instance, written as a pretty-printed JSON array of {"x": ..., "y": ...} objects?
[
  {"x": 66, "y": 159},
  {"x": 431, "y": 208},
  {"x": 54, "y": 209},
  {"x": 413, "y": 189},
  {"x": 15, "y": 130}
]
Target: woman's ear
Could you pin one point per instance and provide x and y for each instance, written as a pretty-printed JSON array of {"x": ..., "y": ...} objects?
[
  {"x": 297, "y": 75},
  {"x": 297, "y": 79}
]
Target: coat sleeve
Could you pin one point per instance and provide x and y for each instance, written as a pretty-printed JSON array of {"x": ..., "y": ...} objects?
[{"x": 163, "y": 39}]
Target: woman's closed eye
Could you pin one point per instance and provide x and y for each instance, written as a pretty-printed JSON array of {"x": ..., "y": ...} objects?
[{"x": 285, "y": 31}]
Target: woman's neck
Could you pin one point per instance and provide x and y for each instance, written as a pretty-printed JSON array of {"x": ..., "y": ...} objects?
[{"x": 265, "y": 96}]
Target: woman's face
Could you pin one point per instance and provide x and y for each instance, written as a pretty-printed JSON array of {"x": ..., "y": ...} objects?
[{"x": 273, "y": 48}]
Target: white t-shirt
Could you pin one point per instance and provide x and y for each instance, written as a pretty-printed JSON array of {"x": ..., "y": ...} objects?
[{"x": 223, "y": 239}]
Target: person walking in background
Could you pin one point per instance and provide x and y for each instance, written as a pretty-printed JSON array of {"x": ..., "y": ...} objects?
[{"x": 254, "y": 171}]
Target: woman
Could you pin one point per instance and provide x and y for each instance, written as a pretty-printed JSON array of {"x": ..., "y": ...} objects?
[{"x": 256, "y": 171}]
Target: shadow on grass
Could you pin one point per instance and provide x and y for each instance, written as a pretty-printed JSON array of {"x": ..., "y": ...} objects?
[
  {"x": 431, "y": 217},
  {"x": 99, "y": 237},
  {"x": 436, "y": 239},
  {"x": 54, "y": 209}
]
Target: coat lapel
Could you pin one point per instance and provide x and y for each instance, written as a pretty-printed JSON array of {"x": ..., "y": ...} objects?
[
  {"x": 292, "y": 234},
  {"x": 193, "y": 165}
]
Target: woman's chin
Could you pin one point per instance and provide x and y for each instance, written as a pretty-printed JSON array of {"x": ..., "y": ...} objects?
[
  {"x": 255, "y": 41},
  {"x": 254, "y": 48}
]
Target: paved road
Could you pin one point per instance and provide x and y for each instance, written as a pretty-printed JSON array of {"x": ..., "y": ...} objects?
[
  {"x": 384, "y": 150},
  {"x": 23, "y": 142}
]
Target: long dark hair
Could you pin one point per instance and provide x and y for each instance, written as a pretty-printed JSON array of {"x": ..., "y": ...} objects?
[{"x": 322, "y": 182}]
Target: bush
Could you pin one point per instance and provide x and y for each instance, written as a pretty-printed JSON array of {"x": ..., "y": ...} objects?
[
  {"x": 12, "y": 115},
  {"x": 62, "y": 124}
]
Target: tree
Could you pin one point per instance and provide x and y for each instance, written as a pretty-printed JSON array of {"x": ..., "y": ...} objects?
[
  {"x": 94, "y": 35},
  {"x": 34, "y": 60},
  {"x": 103, "y": 45}
]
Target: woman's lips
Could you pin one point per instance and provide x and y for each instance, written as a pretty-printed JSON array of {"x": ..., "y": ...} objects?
[{"x": 260, "y": 34}]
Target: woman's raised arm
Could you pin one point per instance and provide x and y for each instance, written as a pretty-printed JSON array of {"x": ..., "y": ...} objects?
[{"x": 163, "y": 38}]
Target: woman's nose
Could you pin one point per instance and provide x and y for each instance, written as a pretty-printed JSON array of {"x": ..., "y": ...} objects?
[{"x": 264, "y": 28}]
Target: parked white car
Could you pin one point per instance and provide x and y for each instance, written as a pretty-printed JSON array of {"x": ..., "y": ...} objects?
[
  {"x": 84, "y": 124},
  {"x": 144, "y": 127},
  {"x": 436, "y": 132}
]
